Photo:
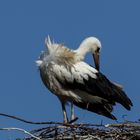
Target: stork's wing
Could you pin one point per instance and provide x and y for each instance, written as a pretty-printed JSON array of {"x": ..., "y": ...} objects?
[
  {"x": 85, "y": 78},
  {"x": 97, "y": 93}
]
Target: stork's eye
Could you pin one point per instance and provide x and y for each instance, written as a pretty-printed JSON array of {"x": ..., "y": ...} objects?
[{"x": 98, "y": 50}]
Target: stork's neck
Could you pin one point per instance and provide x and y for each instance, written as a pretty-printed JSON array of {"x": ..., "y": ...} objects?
[
  {"x": 90, "y": 44},
  {"x": 85, "y": 47},
  {"x": 83, "y": 50}
]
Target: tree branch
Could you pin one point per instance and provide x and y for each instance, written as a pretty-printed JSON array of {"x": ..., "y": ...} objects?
[{"x": 38, "y": 123}]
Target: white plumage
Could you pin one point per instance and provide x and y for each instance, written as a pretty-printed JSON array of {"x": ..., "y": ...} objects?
[{"x": 66, "y": 75}]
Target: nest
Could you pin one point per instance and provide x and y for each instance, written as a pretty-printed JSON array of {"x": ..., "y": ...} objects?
[
  {"x": 60, "y": 131},
  {"x": 127, "y": 130}
]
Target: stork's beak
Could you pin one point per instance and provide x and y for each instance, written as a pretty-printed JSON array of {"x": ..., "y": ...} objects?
[{"x": 96, "y": 57}]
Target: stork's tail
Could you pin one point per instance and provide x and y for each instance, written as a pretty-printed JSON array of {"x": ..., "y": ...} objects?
[
  {"x": 116, "y": 93},
  {"x": 122, "y": 98}
]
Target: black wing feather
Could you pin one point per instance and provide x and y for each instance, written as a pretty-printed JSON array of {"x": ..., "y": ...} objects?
[
  {"x": 101, "y": 87},
  {"x": 113, "y": 92}
]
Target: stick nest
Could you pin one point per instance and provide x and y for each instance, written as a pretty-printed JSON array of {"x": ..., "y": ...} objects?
[{"x": 61, "y": 131}]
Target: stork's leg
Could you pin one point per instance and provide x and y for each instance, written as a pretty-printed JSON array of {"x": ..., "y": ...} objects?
[
  {"x": 64, "y": 112},
  {"x": 72, "y": 112}
]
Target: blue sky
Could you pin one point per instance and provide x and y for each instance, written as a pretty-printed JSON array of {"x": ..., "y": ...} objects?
[{"x": 23, "y": 28}]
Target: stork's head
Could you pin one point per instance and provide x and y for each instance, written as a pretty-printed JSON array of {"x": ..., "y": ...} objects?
[{"x": 93, "y": 45}]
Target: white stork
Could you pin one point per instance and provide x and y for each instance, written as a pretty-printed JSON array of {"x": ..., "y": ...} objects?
[{"x": 65, "y": 74}]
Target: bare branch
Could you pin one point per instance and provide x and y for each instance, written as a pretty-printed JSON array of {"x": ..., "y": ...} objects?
[{"x": 38, "y": 123}]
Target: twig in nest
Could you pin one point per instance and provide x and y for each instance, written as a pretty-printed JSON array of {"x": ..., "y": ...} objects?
[
  {"x": 22, "y": 130},
  {"x": 126, "y": 124}
]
